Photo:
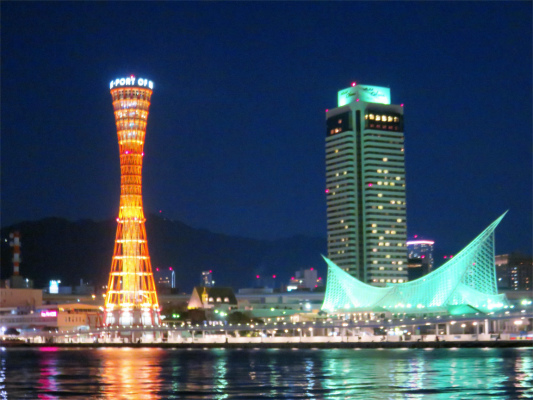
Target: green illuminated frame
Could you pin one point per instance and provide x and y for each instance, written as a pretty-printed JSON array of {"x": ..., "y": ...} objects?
[{"x": 464, "y": 284}]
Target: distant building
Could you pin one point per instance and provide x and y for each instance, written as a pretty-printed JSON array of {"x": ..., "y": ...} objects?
[
  {"x": 25, "y": 298},
  {"x": 207, "y": 278},
  {"x": 165, "y": 280},
  {"x": 365, "y": 185},
  {"x": 419, "y": 258},
  {"x": 306, "y": 279},
  {"x": 514, "y": 271}
]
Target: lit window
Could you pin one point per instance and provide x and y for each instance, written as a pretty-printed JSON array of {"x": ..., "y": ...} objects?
[
  {"x": 378, "y": 118},
  {"x": 400, "y": 280},
  {"x": 380, "y": 207},
  {"x": 380, "y": 195},
  {"x": 385, "y": 159},
  {"x": 389, "y": 119},
  {"x": 374, "y": 231},
  {"x": 379, "y": 171},
  {"x": 211, "y": 299},
  {"x": 386, "y": 171},
  {"x": 375, "y": 262},
  {"x": 400, "y": 268},
  {"x": 399, "y": 220},
  {"x": 381, "y": 268},
  {"x": 384, "y": 118},
  {"x": 374, "y": 225}
]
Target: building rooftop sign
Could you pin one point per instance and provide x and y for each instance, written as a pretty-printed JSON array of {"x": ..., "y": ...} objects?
[
  {"x": 131, "y": 81},
  {"x": 369, "y": 94}
]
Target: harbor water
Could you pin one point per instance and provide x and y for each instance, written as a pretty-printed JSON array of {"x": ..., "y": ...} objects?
[{"x": 155, "y": 373}]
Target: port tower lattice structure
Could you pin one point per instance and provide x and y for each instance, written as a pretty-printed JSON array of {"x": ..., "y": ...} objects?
[
  {"x": 131, "y": 297},
  {"x": 464, "y": 284}
]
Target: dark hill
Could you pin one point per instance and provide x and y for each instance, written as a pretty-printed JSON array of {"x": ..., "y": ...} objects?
[{"x": 55, "y": 248}]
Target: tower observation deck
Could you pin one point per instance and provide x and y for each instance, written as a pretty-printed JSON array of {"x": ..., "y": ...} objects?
[{"x": 131, "y": 297}]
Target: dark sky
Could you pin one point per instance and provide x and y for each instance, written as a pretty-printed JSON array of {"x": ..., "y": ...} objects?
[{"x": 235, "y": 138}]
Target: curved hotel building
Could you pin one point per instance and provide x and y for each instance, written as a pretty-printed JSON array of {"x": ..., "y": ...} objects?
[{"x": 365, "y": 185}]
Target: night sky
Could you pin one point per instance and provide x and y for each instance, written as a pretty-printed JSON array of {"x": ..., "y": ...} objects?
[{"x": 236, "y": 131}]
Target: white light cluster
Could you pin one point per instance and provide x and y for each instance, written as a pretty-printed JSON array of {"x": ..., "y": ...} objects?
[{"x": 130, "y": 81}]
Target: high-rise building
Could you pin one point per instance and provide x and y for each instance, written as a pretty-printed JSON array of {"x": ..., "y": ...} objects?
[
  {"x": 131, "y": 297},
  {"x": 514, "y": 271},
  {"x": 365, "y": 185}
]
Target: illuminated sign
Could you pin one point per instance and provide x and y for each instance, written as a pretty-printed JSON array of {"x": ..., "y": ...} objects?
[
  {"x": 49, "y": 313},
  {"x": 370, "y": 94},
  {"x": 54, "y": 287},
  {"x": 131, "y": 81}
]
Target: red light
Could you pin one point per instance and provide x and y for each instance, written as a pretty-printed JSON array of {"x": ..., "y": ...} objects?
[
  {"x": 416, "y": 236},
  {"x": 425, "y": 257},
  {"x": 274, "y": 276},
  {"x": 354, "y": 83},
  {"x": 160, "y": 211},
  {"x": 157, "y": 269},
  {"x": 327, "y": 110},
  {"x": 210, "y": 271},
  {"x": 445, "y": 257},
  {"x": 401, "y": 105},
  {"x": 311, "y": 269},
  {"x": 451, "y": 256},
  {"x": 319, "y": 279},
  {"x": 356, "y": 99},
  {"x": 292, "y": 278},
  {"x": 327, "y": 190},
  {"x": 170, "y": 268},
  {"x": 316, "y": 285},
  {"x": 257, "y": 276},
  {"x": 369, "y": 184}
]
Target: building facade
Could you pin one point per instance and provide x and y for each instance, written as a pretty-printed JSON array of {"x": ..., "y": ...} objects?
[
  {"x": 515, "y": 271},
  {"x": 365, "y": 186}
]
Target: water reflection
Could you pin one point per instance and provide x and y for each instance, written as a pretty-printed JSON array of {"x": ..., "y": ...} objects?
[
  {"x": 266, "y": 374},
  {"x": 132, "y": 374},
  {"x": 47, "y": 384}
]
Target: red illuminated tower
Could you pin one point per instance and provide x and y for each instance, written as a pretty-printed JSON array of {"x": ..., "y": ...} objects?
[{"x": 131, "y": 298}]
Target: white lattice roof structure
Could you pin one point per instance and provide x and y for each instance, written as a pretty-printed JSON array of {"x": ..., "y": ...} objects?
[{"x": 464, "y": 284}]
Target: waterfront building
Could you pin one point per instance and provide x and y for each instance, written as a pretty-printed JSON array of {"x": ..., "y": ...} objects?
[
  {"x": 210, "y": 297},
  {"x": 365, "y": 185},
  {"x": 131, "y": 296},
  {"x": 464, "y": 284}
]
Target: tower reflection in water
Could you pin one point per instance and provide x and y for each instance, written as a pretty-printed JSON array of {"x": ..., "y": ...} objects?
[{"x": 126, "y": 374}]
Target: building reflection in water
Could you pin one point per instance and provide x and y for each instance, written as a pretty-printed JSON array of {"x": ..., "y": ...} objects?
[
  {"x": 48, "y": 370},
  {"x": 3, "y": 392},
  {"x": 220, "y": 382},
  {"x": 128, "y": 375}
]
